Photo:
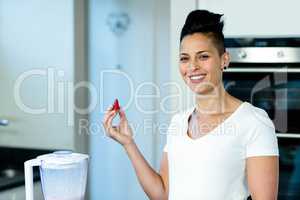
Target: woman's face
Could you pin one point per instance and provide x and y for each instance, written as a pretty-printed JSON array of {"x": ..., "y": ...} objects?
[{"x": 201, "y": 64}]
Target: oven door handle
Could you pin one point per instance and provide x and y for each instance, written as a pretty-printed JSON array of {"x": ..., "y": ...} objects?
[
  {"x": 262, "y": 70},
  {"x": 288, "y": 135}
]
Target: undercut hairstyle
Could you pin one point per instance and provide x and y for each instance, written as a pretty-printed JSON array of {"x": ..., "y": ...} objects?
[{"x": 208, "y": 23}]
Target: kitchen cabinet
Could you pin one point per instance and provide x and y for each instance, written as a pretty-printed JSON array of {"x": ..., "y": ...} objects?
[
  {"x": 41, "y": 59},
  {"x": 256, "y": 18}
]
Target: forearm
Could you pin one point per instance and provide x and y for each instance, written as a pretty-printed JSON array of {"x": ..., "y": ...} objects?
[
  {"x": 150, "y": 180},
  {"x": 271, "y": 198},
  {"x": 264, "y": 196}
]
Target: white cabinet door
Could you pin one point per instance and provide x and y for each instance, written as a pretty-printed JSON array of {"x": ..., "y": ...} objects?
[
  {"x": 36, "y": 62},
  {"x": 257, "y": 18}
]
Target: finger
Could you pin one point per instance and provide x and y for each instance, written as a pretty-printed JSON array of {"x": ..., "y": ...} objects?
[
  {"x": 108, "y": 122},
  {"x": 107, "y": 113},
  {"x": 111, "y": 131},
  {"x": 115, "y": 134},
  {"x": 110, "y": 108},
  {"x": 110, "y": 116},
  {"x": 107, "y": 117}
]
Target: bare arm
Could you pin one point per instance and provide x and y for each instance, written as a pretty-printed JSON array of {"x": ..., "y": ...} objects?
[
  {"x": 164, "y": 173},
  {"x": 152, "y": 182},
  {"x": 262, "y": 174}
]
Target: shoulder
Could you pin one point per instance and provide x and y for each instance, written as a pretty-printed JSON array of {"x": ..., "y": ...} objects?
[
  {"x": 254, "y": 116},
  {"x": 260, "y": 135},
  {"x": 258, "y": 132}
]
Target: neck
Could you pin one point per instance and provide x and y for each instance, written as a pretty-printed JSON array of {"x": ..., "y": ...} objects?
[{"x": 212, "y": 103}]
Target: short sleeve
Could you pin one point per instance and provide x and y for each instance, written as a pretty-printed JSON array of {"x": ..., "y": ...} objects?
[{"x": 263, "y": 140}]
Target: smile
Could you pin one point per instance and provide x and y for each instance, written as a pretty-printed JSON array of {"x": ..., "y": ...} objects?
[{"x": 197, "y": 78}]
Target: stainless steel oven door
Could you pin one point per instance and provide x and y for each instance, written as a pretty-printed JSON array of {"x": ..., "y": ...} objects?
[
  {"x": 276, "y": 90},
  {"x": 289, "y": 163}
]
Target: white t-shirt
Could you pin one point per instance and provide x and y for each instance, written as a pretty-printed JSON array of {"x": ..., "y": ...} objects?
[{"x": 212, "y": 167}]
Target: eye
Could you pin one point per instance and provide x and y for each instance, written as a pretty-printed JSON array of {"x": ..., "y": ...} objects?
[
  {"x": 203, "y": 57},
  {"x": 184, "y": 59}
]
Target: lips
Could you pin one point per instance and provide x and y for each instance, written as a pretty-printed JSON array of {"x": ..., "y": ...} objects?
[{"x": 197, "y": 78}]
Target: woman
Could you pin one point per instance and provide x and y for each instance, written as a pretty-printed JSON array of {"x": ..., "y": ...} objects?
[{"x": 222, "y": 148}]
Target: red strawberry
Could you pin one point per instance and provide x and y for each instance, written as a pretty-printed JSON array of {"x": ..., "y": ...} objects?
[{"x": 116, "y": 105}]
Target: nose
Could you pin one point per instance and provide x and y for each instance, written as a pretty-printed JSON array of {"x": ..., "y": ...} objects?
[{"x": 193, "y": 64}]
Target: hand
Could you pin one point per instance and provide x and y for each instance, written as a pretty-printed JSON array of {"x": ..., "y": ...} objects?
[{"x": 121, "y": 133}]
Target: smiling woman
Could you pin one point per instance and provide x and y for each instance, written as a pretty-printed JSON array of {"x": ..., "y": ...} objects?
[
  {"x": 198, "y": 50},
  {"x": 202, "y": 53},
  {"x": 221, "y": 148}
]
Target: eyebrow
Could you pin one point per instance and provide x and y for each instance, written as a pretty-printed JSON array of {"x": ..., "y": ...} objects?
[{"x": 199, "y": 52}]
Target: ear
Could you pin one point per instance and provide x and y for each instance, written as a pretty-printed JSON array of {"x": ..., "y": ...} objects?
[{"x": 225, "y": 60}]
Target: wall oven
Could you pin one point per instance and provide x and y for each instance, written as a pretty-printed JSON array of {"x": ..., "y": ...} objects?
[{"x": 266, "y": 72}]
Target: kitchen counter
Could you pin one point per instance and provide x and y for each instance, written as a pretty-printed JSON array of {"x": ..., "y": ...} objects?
[
  {"x": 12, "y": 165},
  {"x": 14, "y": 178},
  {"x": 18, "y": 193}
]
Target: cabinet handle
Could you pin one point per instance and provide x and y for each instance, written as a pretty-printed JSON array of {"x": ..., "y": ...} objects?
[
  {"x": 4, "y": 122},
  {"x": 263, "y": 70},
  {"x": 288, "y": 135}
]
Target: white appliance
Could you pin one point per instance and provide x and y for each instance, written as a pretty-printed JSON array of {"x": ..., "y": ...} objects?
[{"x": 63, "y": 175}]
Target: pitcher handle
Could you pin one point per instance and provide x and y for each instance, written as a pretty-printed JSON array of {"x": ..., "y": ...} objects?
[{"x": 28, "y": 168}]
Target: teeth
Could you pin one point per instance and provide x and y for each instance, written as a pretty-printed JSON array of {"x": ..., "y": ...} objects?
[{"x": 197, "y": 77}]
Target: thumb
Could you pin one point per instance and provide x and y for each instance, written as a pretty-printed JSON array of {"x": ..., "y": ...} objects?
[{"x": 115, "y": 134}]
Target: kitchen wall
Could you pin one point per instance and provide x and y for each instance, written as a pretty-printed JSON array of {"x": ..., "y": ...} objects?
[
  {"x": 136, "y": 56},
  {"x": 42, "y": 58}
]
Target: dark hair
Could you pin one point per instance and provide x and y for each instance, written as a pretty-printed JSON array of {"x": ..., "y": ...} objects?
[{"x": 208, "y": 23}]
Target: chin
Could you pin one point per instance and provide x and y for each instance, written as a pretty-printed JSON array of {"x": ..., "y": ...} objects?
[{"x": 202, "y": 89}]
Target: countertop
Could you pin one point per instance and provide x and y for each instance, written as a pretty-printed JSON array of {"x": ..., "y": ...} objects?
[{"x": 12, "y": 165}]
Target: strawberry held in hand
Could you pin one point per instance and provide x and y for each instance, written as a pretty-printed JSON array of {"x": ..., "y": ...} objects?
[
  {"x": 116, "y": 105},
  {"x": 120, "y": 132}
]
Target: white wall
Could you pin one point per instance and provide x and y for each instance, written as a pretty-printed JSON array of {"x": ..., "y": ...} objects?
[{"x": 142, "y": 52}]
